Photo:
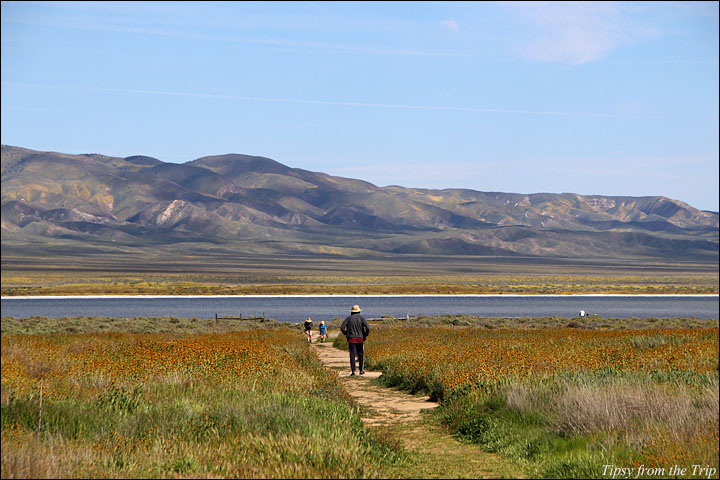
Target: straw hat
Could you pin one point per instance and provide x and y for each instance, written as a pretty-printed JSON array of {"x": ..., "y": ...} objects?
[{"x": 355, "y": 309}]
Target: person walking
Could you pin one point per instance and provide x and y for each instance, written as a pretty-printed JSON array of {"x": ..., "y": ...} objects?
[
  {"x": 323, "y": 331},
  {"x": 308, "y": 329},
  {"x": 356, "y": 329}
]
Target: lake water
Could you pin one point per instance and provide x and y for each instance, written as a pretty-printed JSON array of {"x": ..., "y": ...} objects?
[{"x": 297, "y": 308}]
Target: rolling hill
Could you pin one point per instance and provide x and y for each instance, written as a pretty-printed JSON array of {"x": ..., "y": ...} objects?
[{"x": 257, "y": 204}]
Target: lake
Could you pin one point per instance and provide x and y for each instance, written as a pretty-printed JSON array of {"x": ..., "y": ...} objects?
[{"x": 297, "y": 308}]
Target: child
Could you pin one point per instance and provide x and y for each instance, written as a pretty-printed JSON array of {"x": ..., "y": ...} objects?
[{"x": 323, "y": 331}]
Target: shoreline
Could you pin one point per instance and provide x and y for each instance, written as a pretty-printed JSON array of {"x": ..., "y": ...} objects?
[{"x": 60, "y": 297}]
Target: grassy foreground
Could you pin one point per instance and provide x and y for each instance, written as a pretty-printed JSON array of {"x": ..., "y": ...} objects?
[
  {"x": 82, "y": 397},
  {"x": 567, "y": 402},
  {"x": 253, "y": 404}
]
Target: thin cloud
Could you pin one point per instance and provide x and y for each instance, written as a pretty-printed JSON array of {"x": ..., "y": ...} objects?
[
  {"x": 575, "y": 32},
  {"x": 451, "y": 25},
  {"x": 315, "y": 47},
  {"x": 321, "y": 102}
]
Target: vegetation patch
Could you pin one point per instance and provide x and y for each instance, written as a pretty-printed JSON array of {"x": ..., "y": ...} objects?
[
  {"x": 80, "y": 324},
  {"x": 391, "y": 278},
  {"x": 252, "y": 404},
  {"x": 568, "y": 401}
]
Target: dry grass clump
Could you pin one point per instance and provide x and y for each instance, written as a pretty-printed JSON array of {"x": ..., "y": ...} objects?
[
  {"x": 24, "y": 456},
  {"x": 632, "y": 408}
]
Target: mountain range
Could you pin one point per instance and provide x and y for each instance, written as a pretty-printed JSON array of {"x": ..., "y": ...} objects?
[{"x": 256, "y": 204}]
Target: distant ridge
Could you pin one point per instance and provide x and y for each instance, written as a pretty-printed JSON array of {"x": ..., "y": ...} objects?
[{"x": 260, "y": 205}]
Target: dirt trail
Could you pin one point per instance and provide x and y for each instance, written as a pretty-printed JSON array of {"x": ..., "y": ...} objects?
[
  {"x": 382, "y": 405},
  {"x": 434, "y": 451}
]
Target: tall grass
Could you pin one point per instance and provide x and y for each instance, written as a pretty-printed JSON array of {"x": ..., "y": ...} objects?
[
  {"x": 573, "y": 430},
  {"x": 254, "y": 404},
  {"x": 566, "y": 401}
]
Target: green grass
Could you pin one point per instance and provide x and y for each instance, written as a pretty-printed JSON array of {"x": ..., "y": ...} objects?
[
  {"x": 80, "y": 324},
  {"x": 526, "y": 437},
  {"x": 300, "y": 423},
  {"x": 553, "y": 448},
  {"x": 573, "y": 422},
  {"x": 275, "y": 433},
  {"x": 65, "y": 415},
  {"x": 435, "y": 453}
]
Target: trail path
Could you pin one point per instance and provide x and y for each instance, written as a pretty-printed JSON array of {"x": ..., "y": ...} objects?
[
  {"x": 435, "y": 453},
  {"x": 382, "y": 405}
]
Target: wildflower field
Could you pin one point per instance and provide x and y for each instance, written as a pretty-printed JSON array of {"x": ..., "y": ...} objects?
[
  {"x": 119, "y": 405},
  {"x": 196, "y": 399},
  {"x": 566, "y": 401}
]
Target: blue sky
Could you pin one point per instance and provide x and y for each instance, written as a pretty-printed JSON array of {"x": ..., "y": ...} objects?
[{"x": 591, "y": 98}]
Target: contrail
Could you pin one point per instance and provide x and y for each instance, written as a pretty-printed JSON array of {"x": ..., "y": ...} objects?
[
  {"x": 353, "y": 104},
  {"x": 323, "y": 102}
]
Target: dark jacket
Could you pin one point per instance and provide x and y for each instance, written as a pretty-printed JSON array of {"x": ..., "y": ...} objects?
[{"x": 355, "y": 326}]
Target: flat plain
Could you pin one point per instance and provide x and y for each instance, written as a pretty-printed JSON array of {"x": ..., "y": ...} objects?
[{"x": 240, "y": 274}]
